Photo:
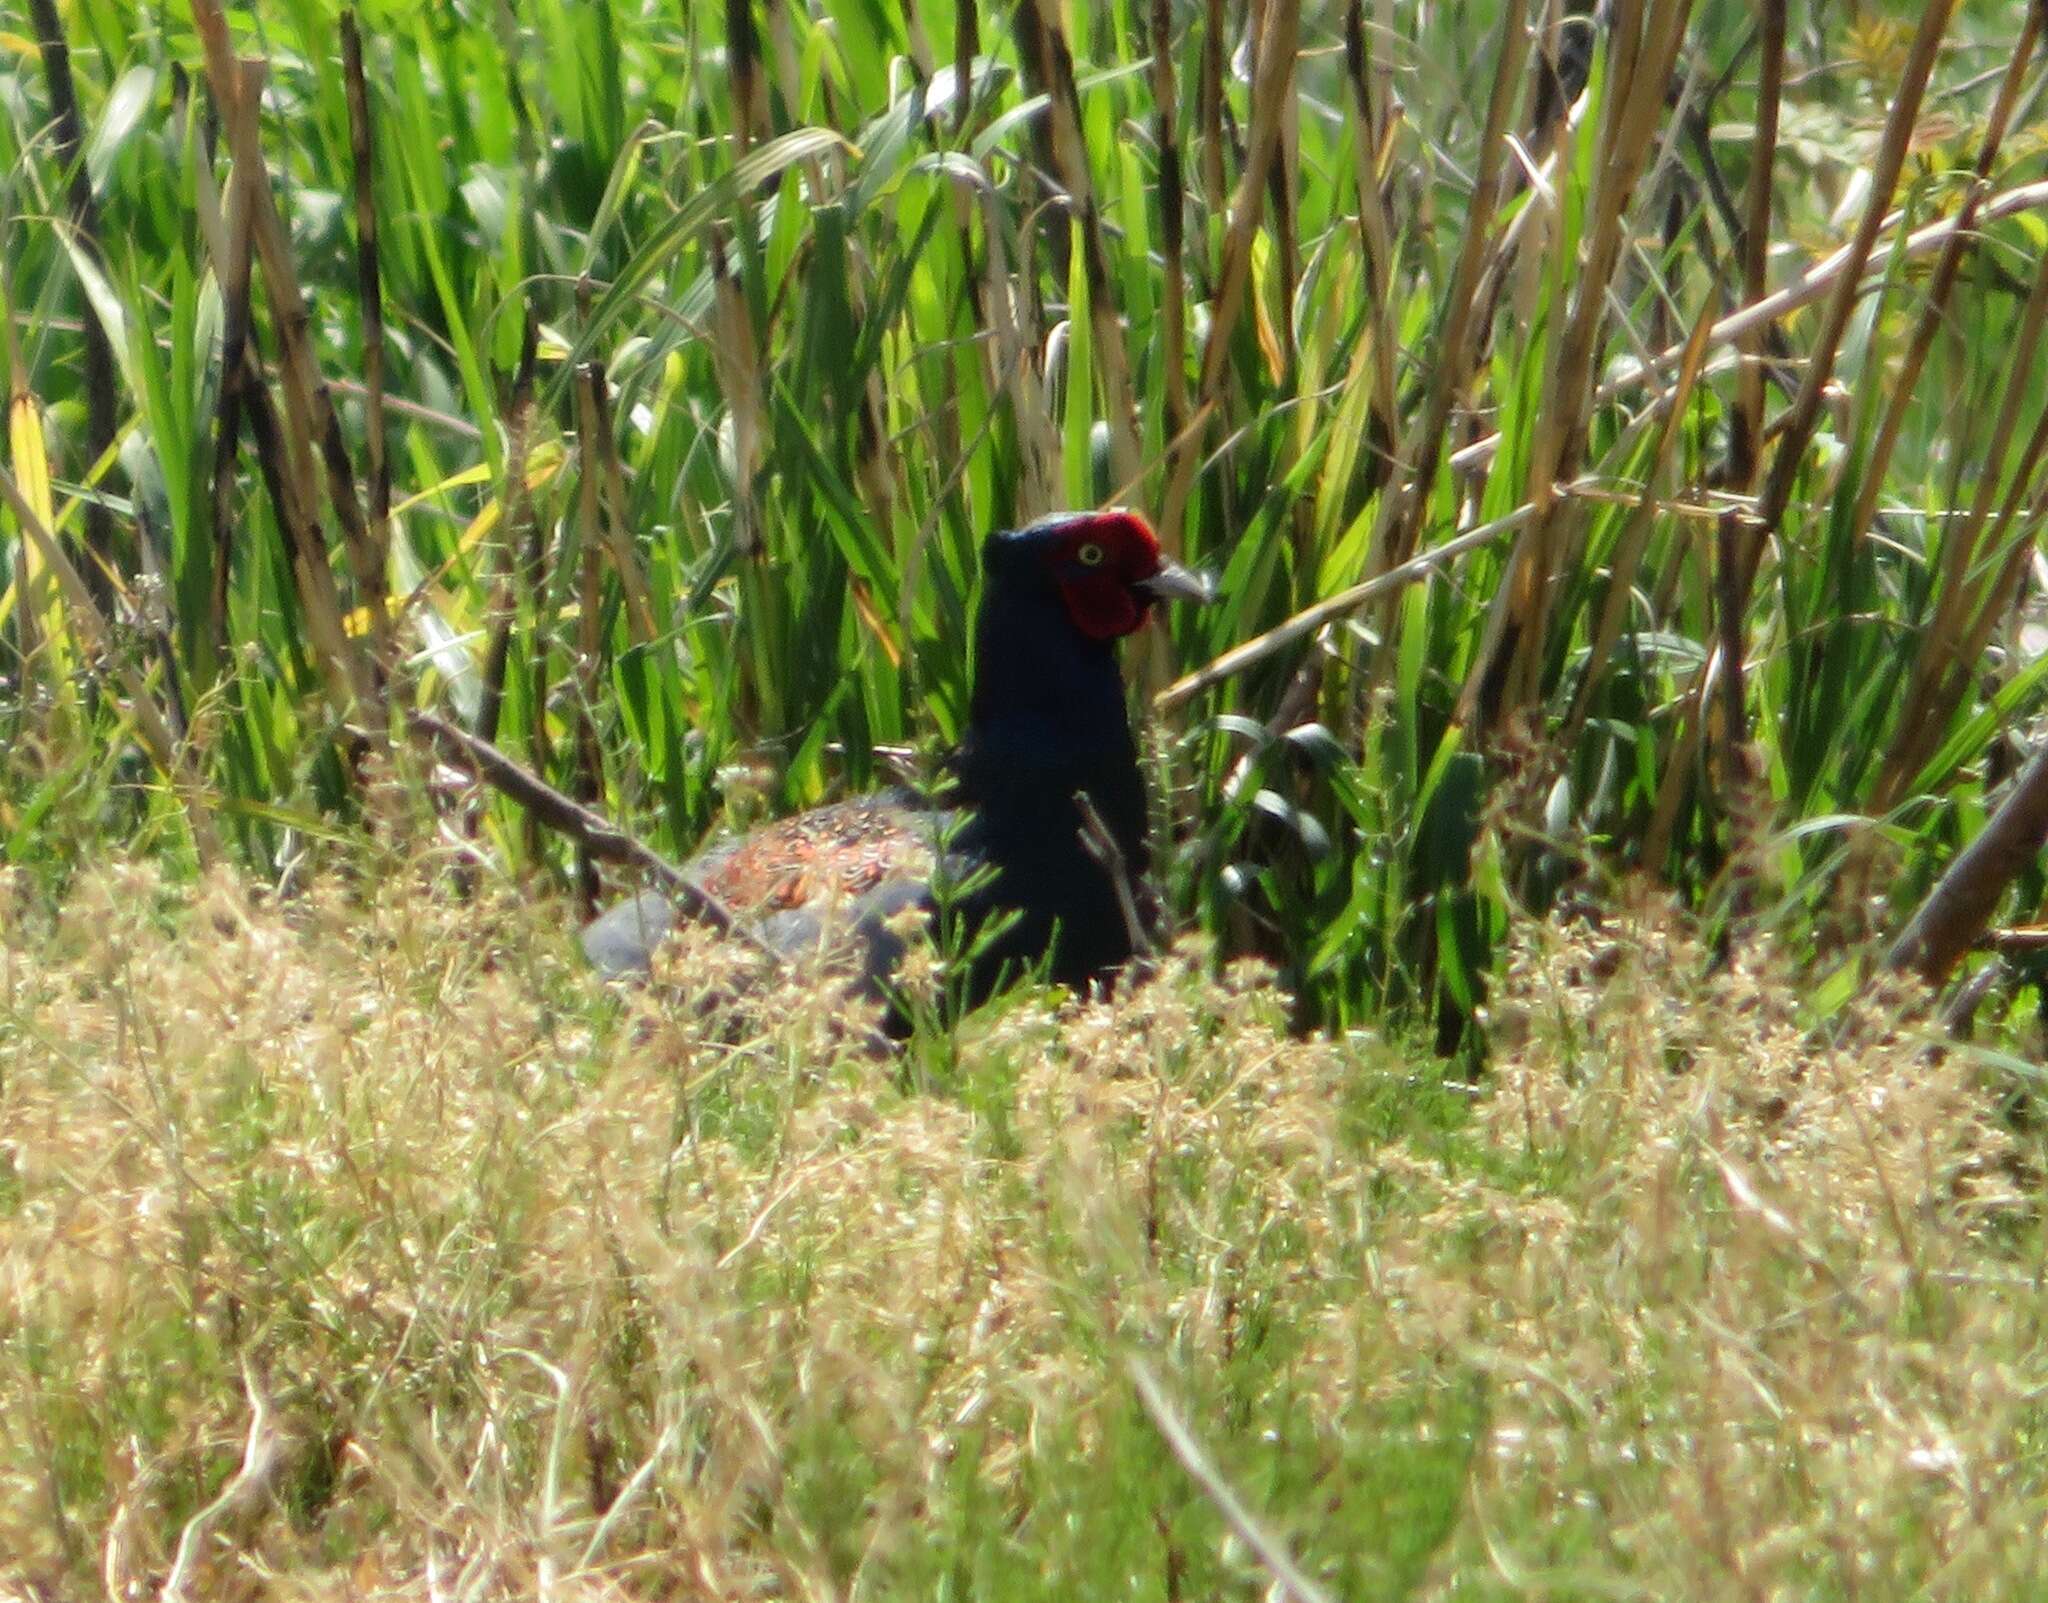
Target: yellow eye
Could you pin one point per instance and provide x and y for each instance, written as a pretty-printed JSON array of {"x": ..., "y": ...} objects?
[{"x": 1089, "y": 556}]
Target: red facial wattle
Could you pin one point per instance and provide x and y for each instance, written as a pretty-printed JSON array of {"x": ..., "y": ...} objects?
[
  {"x": 1098, "y": 564},
  {"x": 1103, "y": 608}
]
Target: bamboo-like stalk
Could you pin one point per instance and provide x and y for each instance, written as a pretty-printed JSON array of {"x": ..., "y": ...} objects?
[
  {"x": 312, "y": 427},
  {"x": 1642, "y": 47},
  {"x": 749, "y": 86},
  {"x": 1272, "y": 86},
  {"x": 1070, "y": 153},
  {"x": 1745, "y": 440},
  {"x": 370, "y": 290},
  {"x": 618, "y": 539},
  {"x": 231, "y": 250},
  {"x": 1401, "y": 509},
  {"x": 1376, "y": 240},
  {"x": 1209, "y": 111},
  {"x": 1034, "y": 59},
  {"x": 228, "y": 233},
  {"x": 102, "y": 402},
  {"x": 966, "y": 46},
  {"x": 1173, "y": 336},
  {"x": 1804, "y": 414},
  {"x": 1282, "y": 186}
]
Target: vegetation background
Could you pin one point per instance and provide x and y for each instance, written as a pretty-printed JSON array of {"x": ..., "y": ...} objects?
[{"x": 1620, "y": 442}]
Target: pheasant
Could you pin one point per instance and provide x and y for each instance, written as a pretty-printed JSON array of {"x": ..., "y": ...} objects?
[{"x": 1047, "y": 720}]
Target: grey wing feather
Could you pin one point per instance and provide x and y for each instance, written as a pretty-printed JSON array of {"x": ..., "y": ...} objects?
[{"x": 623, "y": 940}]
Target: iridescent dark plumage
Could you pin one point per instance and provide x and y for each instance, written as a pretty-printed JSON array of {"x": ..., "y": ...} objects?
[{"x": 1047, "y": 719}]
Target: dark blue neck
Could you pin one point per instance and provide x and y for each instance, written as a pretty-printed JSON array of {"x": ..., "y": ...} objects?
[{"x": 1048, "y": 718}]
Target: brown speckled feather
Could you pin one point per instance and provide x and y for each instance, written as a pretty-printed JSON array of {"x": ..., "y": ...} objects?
[
  {"x": 827, "y": 857},
  {"x": 801, "y": 884}
]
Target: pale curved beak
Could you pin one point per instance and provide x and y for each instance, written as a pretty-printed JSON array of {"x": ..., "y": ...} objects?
[{"x": 1174, "y": 583}]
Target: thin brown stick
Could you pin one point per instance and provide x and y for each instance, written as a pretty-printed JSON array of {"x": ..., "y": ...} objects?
[
  {"x": 299, "y": 528},
  {"x": 1376, "y": 235},
  {"x": 590, "y": 830},
  {"x": 1957, "y": 912},
  {"x": 1309, "y": 619},
  {"x": 1172, "y": 220},
  {"x": 1101, "y": 845},
  {"x": 618, "y": 540}
]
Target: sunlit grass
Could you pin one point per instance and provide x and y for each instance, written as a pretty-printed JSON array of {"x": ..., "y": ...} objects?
[{"x": 365, "y": 1241}]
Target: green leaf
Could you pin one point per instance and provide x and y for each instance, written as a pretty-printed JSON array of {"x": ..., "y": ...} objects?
[{"x": 122, "y": 115}]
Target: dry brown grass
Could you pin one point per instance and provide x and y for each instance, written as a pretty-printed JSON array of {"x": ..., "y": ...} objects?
[{"x": 369, "y": 1248}]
